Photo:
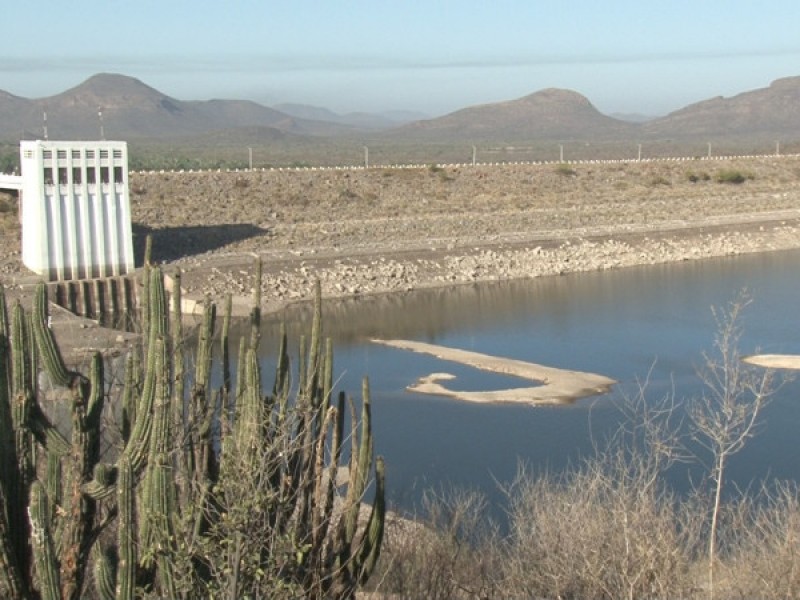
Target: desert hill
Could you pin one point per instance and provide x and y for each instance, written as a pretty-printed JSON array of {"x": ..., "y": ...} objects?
[
  {"x": 130, "y": 109},
  {"x": 770, "y": 111},
  {"x": 126, "y": 108},
  {"x": 548, "y": 114}
]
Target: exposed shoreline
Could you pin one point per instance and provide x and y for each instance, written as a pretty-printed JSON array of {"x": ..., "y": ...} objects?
[
  {"x": 384, "y": 231},
  {"x": 285, "y": 282}
]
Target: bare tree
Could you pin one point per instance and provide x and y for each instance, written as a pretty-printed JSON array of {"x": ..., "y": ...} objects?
[{"x": 725, "y": 416}]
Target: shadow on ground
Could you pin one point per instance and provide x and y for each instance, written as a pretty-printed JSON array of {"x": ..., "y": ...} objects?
[{"x": 172, "y": 243}]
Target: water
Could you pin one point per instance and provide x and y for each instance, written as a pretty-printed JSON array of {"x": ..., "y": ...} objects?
[{"x": 625, "y": 324}]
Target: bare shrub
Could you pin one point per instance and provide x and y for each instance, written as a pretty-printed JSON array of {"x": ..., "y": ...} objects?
[
  {"x": 604, "y": 530},
  {"x": 725, "y": 416},
  {"x": 451, "y": 551},
  {"x": 765, "y": 562}
]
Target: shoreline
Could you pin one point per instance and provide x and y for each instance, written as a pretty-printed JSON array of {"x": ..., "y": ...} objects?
[{"x": 346, "y": 275}]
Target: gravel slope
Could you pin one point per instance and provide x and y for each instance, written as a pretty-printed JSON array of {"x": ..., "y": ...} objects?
[{"x": 384, "y": 230}]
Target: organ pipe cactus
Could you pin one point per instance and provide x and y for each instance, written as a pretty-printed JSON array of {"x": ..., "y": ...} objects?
[{"x": 203, "y": 477}]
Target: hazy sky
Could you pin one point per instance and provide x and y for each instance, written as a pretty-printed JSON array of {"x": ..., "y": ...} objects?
[{"x": 648, "y": 56}]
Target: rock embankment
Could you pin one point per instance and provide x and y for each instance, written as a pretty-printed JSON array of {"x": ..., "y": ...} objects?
[{"x": 369, "y": 275}]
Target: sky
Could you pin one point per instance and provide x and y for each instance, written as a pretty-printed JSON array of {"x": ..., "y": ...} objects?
[{"x": 434, "y": 56}]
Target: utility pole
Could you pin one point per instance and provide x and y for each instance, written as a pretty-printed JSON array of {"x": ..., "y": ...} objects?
[
  {"x": 561, "y": 152},
  {"x": 474, "y": 155},
  {"x": 709, "y": 149},
  {"x": 102, "y": 129},
  {"x": 640, "y": 153},
  {"x": 366, "y": 157},
  {"x": 44, "y": 117}
]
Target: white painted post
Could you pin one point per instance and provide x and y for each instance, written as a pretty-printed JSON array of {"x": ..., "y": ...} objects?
[
  {"x": 474, "y": 155},
  {"x": 366, "y": 157},
  {"x": 640, "y": 153},
  {"x": 561, "y": 152}
]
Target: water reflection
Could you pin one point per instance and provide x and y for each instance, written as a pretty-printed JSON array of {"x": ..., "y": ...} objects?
[{"x": 623, "y": 324}]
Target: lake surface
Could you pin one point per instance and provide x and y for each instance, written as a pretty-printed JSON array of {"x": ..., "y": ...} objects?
[{"x": 623, "y": 324}]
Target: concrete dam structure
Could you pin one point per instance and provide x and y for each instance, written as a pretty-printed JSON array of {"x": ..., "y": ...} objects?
[{"x": 74, "y": 209}]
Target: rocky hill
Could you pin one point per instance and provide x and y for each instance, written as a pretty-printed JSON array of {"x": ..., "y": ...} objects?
[
  {"x": 547, "y": 114},
  {"x": 126, "y": 108},
  {"x": 771, "y": 111}
]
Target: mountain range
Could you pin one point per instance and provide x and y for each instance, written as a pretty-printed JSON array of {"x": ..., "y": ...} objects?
[{"x": 126, "y": 108}]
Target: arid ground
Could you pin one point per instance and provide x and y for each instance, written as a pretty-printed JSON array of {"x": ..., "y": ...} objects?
[
  {"x": 389, "y": 230},
  {"x": 396, "y": 229}
]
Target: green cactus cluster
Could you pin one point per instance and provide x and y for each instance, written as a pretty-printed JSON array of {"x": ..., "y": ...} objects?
[{"x": 228, "y": 491}]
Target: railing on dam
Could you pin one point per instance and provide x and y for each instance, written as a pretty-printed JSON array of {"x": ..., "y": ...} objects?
[{"x": 484, "y": 164}]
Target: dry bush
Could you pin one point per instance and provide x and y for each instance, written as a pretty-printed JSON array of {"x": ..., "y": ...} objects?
[
  {"x": 764, "y": 560},
  {"x": 451, "y": 551},
  {"x": 604, "y": 530}
]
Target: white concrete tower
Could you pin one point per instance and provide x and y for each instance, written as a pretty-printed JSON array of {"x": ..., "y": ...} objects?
[{"x": 75, "y": 209}]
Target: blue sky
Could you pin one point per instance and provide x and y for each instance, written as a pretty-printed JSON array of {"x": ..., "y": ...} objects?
[{"x": 649, "y": 57}]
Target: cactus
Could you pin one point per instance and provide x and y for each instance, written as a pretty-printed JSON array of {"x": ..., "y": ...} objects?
[
  {"x": 238, "y": 477},
  {"x": 43, "y": 543},
  {"x": 126, "y": 543}
]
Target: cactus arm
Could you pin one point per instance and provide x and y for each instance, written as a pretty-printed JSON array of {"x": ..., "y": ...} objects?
[
  {"x": 255, "y": 312},
  {"x": 77, "y": 526},
  {"x": 137, "y": 447},
  {"x": 314, "y": 351},
  {"x": 45, "y": 342},
  {"x": 42, "y": 544},
  {"x": 104, "y": 574},
  {"x": 130, "y": 391},
  {"x": 157, "y": 531},
  {"x": 11, "y": 577},
  {"x": 126, "y": 542},
  {"x": 22, "y": 388},
  {"x": 322, "y": 486},
  {"x": 373, "y": 535},
  {"x": 7, "y": 451},
  {"x": 225, "y": 349}
]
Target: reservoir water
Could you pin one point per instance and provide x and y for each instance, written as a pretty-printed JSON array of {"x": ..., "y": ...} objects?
[{"x": 647, "y": 322}]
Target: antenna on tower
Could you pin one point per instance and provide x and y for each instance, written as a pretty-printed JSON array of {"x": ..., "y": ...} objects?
[
  {"x": 102, "y": 130},
  {"x": 44, "y": 118}
]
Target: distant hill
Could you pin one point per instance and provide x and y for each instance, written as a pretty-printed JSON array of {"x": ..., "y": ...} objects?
[
  {"x": 360, "y": 120},
  {"x": 127, "y": 108},
  {"x": 632, "y": 117},
  {"x": 773, "y": 111},
  {"x": 548, "y": 114}
]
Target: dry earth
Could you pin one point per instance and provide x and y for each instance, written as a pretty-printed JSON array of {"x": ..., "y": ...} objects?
[{"x": 387, "y": 229}]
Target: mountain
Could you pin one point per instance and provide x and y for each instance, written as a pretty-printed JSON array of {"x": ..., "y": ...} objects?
[
  {"x": 359, "y": 120},
  {"x": 772, "y": 111},
  {"x": 126, "y": 108},
  {"x": 553, "y": 114},
  {"x": 632, "y": 117}
]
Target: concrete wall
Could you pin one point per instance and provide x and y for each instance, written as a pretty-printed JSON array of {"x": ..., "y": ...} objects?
[{"x": 76, "y": 220}]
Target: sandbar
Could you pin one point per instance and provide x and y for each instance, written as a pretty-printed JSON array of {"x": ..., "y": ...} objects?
[
  {"x": 557, "y": 386},
  {"x": 774, "y": 361}
]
